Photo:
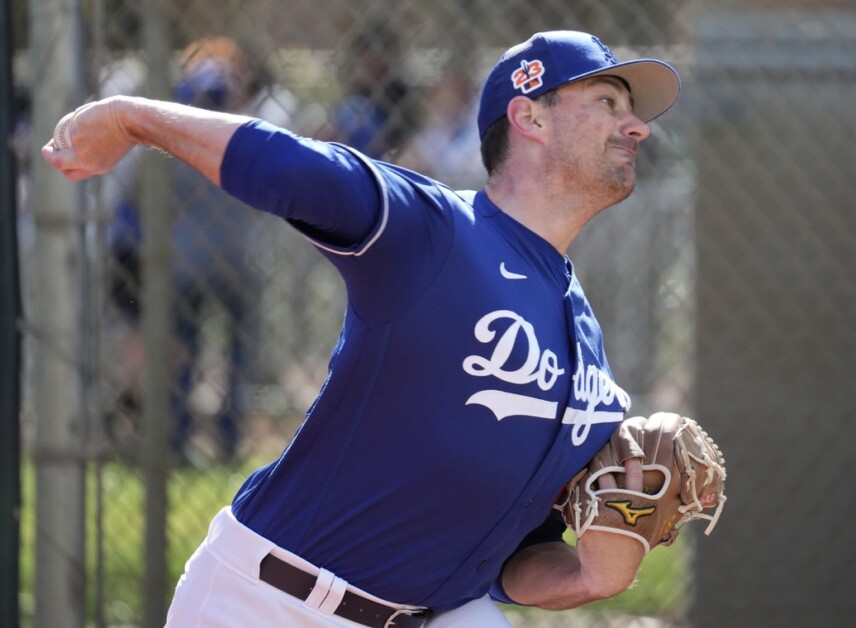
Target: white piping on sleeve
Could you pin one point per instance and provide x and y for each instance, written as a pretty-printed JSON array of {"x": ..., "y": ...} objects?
[{"x": 384, "y": 212}]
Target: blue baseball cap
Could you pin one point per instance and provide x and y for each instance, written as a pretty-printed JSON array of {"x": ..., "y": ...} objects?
[{"x": 547, "y": 60}]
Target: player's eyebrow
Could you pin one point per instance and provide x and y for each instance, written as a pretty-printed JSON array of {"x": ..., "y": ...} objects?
[{"x": 617, "y": 82}]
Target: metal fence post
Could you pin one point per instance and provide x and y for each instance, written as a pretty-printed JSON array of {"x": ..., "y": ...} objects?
[
  {"x": 59, "y": 440},
  {"x": 156, "y": 323},
  {"x": 10, "y": 345}
]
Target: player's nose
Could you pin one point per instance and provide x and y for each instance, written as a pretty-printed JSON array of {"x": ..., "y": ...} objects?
[{"x": 632, "y": 126}]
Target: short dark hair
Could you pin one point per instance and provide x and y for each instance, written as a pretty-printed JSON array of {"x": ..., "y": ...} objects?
[{"x": 494, "y": 145}]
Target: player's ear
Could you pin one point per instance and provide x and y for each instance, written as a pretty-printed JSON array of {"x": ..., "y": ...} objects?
[{"x": 523, "y": 118}]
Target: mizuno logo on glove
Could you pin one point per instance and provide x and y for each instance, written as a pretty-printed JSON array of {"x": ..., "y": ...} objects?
[{"x": 631, "y": 515}]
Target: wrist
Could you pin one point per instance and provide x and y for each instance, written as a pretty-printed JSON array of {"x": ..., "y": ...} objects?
[
  {"x": 122, "y": 112},
  {"x": 609, "y": 562}
]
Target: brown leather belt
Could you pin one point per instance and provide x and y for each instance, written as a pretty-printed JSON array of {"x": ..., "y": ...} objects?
[{"x": 356, "y": 608}]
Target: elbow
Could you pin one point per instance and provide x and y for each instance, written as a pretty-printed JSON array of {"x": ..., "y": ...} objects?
[
  {"x": 585, "y": 591},
  {"x": 607, "y": 587},
  {"x": 588, "y": 586}
]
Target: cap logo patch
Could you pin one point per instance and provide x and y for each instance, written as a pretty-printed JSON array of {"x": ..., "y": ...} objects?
[
  {"x": 606, "y": 51},
  {"x": 528, "y": 76}
]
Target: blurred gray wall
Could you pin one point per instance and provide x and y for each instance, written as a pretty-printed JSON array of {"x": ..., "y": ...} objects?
[{"x": 775, "y": 229}]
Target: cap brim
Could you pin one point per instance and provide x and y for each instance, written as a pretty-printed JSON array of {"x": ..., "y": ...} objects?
[{"x": 654, "y": 85}]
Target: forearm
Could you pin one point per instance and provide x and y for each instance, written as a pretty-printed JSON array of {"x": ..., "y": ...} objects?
[
  {"x": 556, "y": 576},
  {"x": 99, "y": 134},
  {"x": 196, "y": 136}
]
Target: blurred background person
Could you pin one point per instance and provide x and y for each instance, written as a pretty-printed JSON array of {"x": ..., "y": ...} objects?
[
  {"x": 444, "y": 145},
  {"x": 216, "y": 290},
  {"x": 378, "y": 111},
  {"x": 211, "y": 236}
]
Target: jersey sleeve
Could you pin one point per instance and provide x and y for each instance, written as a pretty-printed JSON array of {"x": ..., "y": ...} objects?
[
  {"x": 551, "y": 531},
  {"x": 386, "y": 229},
  {"x": 321, "y": 189}
]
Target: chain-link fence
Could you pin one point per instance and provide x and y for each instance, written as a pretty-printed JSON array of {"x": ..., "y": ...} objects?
[{"x": 724, "y": 283}]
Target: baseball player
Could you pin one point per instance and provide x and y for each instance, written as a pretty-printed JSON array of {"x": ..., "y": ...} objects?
[{"x": 470, "y": 380}]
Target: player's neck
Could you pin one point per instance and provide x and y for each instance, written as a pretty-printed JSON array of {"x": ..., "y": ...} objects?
[{"x": 556, "y": 215}]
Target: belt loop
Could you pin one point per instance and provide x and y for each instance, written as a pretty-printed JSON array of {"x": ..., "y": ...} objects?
[
  {"x": 320, "y": 590},
  {"x": 334, "y": 597}
]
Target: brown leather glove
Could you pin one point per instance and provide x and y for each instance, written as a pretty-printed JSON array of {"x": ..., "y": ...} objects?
[{"x": 683, "y": 477}]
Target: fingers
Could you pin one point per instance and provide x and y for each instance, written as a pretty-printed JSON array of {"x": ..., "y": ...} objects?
[
  {"x": 65, "y": 161},
  {"x": 607, "y": 482},
  {"x": 87, "y": 142},
  {"x": 633, "y": 474},
  {"x": 53, "y": 155},
  {"x": 631, "y": 479}
]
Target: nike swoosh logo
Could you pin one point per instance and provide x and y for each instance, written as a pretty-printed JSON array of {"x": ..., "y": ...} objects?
[{"x": 508, "y": 274}]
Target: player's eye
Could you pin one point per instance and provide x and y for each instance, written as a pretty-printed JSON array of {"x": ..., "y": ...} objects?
[{"x": 609, "y": 100}]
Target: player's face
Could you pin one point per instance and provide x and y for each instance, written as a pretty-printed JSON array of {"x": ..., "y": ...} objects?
[{"x": 596, "y": 136}]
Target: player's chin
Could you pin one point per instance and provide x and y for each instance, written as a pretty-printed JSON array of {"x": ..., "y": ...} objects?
[
  {"x": 621, "y": 183},
  {"x": 625, "y": 168}
]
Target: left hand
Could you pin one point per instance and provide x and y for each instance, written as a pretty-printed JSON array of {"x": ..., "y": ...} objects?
[
  {"x": 682, "y": 479},
  {"x": 631, "y": 478}
]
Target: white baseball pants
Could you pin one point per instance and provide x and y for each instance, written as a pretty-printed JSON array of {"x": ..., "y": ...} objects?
[{"x": 220, "y": 588}]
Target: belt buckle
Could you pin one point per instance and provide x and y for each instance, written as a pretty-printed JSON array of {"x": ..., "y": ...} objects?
[{"x": 390, "y": 623}]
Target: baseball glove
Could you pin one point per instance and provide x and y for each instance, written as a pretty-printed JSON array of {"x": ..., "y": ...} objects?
[{"x": 683, "y": 478}]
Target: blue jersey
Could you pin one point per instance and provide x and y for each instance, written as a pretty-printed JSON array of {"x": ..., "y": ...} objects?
[{"x": 468, "y": 385}]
